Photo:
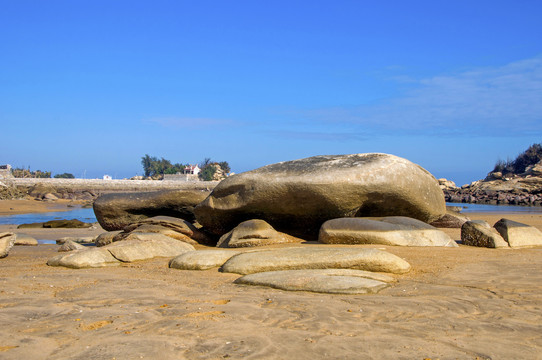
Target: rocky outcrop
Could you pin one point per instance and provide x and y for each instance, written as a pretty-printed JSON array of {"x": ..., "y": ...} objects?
[
  {"x": 297, "y": 197},
  {"x": 116, "y": 211},
  {"x": 328, "y": 257},
  {"x": 517, "y": 234},
  {"x": 7, "y": 240},
  {"x": 330, "y": 281},
  {"x": 54, "y": 224},
  {"x": 254, "y": 233},
  {"x": 392, "y": 230},
  {"x": 480, "y": 233}
]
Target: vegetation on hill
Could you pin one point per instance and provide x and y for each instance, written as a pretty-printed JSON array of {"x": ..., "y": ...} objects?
[
  {"x": 210, "y": 170},
  {"x": 26, "y": 173},
  {"x": 529, "y": 157}
]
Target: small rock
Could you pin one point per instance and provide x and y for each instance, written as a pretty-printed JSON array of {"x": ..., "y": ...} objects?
[
  {"x": 201, "y": 259},
  {"x": 480, "y": 233},
  {"x": 71, "y": 246},
  {"x": 7, "y": 240},
  {"x": 518, "y": 234},
  {"x": 106, "y": 238},
  {"x": 449, "y": 220},
  {"x": 254, "y": 233},
  {"x": 25, "y": 240},
  {"x": 79, "y": 240}
]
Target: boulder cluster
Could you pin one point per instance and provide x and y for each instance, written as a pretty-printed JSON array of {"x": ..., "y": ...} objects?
[
  {"x": 331, "y": 200},
  {"x": 505, "y": 233}
]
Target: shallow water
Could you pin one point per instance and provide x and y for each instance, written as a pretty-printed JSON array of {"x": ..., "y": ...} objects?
[
  {"x": 467, "y": 208},
  {"x": 85, "y": 215}
]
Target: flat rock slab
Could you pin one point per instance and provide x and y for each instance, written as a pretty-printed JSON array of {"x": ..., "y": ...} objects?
[
  {"x": 517, "y": 234},
  {"x": 7, "y": 240},
  {"x": 315, "y": 258},
  {"x": 331, "y": 281},
  {"x": 57, "y": 224},
  {"x": 480, "y": 233},
  {"x": 25, "y": 240},
  {"x": 202, "y": 259},
  {"x": 391, "y": 230},
  {"x": 124, "y": 251}
]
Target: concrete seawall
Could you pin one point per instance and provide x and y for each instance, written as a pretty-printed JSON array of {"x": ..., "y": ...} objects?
[{"x": 85, "y": 188}]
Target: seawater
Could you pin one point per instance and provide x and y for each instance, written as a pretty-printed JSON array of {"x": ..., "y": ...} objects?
[
  {"x": 498, "y": 208},
  {"x": 85, "y": 215}
]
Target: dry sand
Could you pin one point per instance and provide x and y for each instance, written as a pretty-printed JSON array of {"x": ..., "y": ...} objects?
[
  {"x": 457, "y": 303},
  {"x": 13, "y": 207}
]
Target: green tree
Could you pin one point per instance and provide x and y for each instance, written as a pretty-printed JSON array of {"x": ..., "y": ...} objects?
[
  {"x": 64, "y": 176},
  {"x": 208, "y": 173}
]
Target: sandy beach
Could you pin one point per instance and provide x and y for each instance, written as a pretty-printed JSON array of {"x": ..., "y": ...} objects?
[{"x": 456, "y": 303}]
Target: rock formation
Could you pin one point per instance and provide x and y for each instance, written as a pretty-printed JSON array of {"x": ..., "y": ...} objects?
[{"x": 296, "y": 197}]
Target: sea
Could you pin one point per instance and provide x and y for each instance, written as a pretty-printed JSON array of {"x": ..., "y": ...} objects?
[{"x": 87, "y": 214}]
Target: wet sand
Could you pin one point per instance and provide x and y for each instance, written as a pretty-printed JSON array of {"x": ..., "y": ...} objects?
[
  {"x": 456, "y": 303},
  {"x": 14, "y": 207}
]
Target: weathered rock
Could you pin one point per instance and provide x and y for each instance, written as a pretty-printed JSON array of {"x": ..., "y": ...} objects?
[
  {"x": 76, "y": 239},
  {"x": 179, "y": 225},
  {"x": 254, "y": 233},
  {"x": 391, "y": 230},
  {"x": 50, "y": 197},
  {"x": 331, "y": 281},
  {"x": 315, "y": 258},
  {"x": 90, "y": 258},
  {"x": 106, "y": 238},
  {"x": 147, "y": 236},
  {"x": 124, "y": 251},
  {"x": 135, "y": 250},
  {"x": 71, "y": 246},
  {"x": 451, "y": 219},
  {"x": 7, "y": 240},
  {"x": 25, "y": 240},
  {"x": 116, "y": 211},
  {"x": 296, "y": 197},
  {"x": 201, "y": 259},
  {"x": 53, "y": 224},
  {"x": 157, "y": 229},
  {"x": 480, "y": 233},
  {"x": 518, "y": 234}
]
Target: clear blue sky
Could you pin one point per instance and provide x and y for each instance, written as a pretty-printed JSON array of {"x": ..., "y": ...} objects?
[{"x": 89, "y": 87}]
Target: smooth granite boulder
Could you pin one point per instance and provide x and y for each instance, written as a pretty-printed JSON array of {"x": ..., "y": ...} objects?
[
  {"x": 123, "y": 251},
  {"x": 330, "y": 281},
  {"x": 25, "y": 240},
  {"x": 480, "y": 233},
  {"x": 201, "y": 259},
  {"x": 116, "y": 211},
  {"x": 314, "y": 257},
  {"x": 297, "y": 197},
  {"x": 517, "y": 234},
  {"x": 254, "y": 233},
  {"x": 7, "y": 240},
  {"x": 392, "y": 230}
]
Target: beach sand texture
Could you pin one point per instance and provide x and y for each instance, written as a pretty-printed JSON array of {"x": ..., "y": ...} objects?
[{"x": 456, "y": 303}]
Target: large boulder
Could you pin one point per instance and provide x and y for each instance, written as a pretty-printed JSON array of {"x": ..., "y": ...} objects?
[
  {"x": 254, "y": 233},
  {"x": 329, "y": 281},
  {"x": 518, "y": 234},
  {"x": 116, "y": 211},
  {"x": 480, "y": 233},
  {"x": 7, "y": 240},
  {"x": 297, "y": 197},
  {"x": 327, "y": 257},
  {"x": 391, "y": 230}
]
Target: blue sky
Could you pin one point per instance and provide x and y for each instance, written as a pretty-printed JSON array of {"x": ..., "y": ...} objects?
[{"x": 89, "y": 87}]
